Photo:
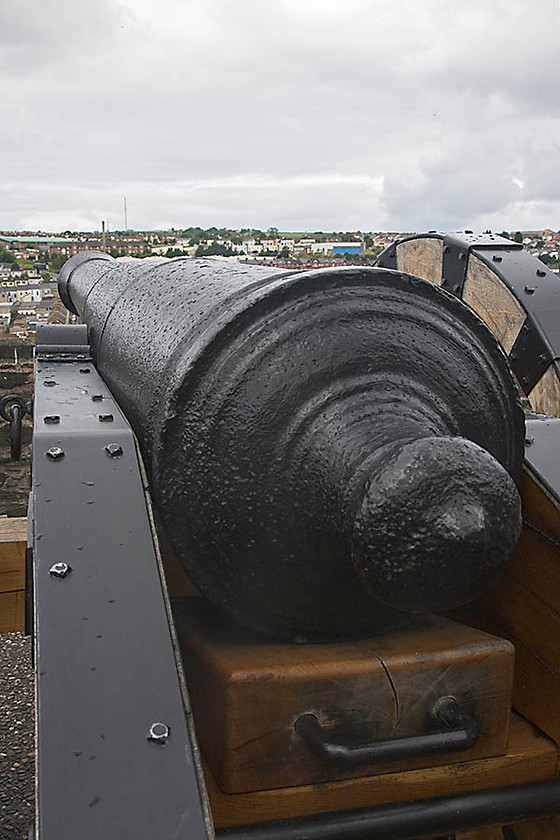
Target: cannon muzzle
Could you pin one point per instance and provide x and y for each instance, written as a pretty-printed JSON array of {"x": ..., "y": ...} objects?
[{"x": 330, "y": 450}]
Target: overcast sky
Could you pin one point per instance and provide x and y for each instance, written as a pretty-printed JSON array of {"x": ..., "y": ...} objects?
[{"x": 301, "y": 114}]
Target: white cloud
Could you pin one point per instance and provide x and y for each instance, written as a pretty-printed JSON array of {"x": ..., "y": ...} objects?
[{"x": 414, "y": 115}]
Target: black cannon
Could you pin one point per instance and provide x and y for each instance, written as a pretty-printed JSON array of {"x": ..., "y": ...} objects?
[{"x": 329, "y": 450}]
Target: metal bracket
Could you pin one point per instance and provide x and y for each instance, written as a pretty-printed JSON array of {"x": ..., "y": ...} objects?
[
  {"x": 456, "y": 250},
  {"x": 61, "y": 342},
  {"x": 538, "y": 291},
  {"x": 108, "y": 675},
  {"x": 542, "y": 453}
]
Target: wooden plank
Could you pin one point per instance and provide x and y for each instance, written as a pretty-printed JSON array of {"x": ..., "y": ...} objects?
[
  {"x": 13, "y": 543},
  {"x": 536, "y": 685},
  {"x": 547, "y": 829},
  {"x": 493, "y": 302},
  {"x": 540, "y": 510},
  {"x": 422, "y": 257},
  {"x": 12, "y": 611},
  {"x": 531, "y": 757},
  {"x": 246, "y": 694},
  {"x": 494, "y": 833},
  {"x": 545, "y": 396},
  {"x": 524, "y": 607}
]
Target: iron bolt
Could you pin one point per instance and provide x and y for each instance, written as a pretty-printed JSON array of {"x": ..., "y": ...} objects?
[
  {"x": 113, "y": 450},
  {"x": 529, "y": 441},
  {"x": 529, "y": 290},
  {"x": 60, "y": 570},
  {"x": 106, "y": 418},
  {"x": 52, "y": 418},
  {"x": 496, "y": 258},
  {"x": 55, "y": 453},
  {"x": 97, "y": 397},
  {"x": 48, "y": 383},
  {"x": 159, "y": 732},
  {"x": 541, "y": 273},
  {"x": 85, "y": 370}
]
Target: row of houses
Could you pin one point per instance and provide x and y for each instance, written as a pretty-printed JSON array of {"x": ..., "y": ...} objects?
[{"x": 24, "y": 247}]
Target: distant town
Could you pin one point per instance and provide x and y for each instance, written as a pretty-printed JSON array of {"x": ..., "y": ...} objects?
[{"x": 30, "y": 260}]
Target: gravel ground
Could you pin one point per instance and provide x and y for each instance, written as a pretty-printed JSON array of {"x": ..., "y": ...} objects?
[{"x": 17, "y": 753}]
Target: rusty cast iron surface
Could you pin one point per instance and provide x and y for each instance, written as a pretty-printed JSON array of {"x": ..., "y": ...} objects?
[{"x": 327, "y": 449}]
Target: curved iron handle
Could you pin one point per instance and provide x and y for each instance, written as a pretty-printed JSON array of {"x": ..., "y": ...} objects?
[
  {"x": 13, "y": 409},
  {"x": 460, "y": 733},
  {"x": 15, "y": 432}
]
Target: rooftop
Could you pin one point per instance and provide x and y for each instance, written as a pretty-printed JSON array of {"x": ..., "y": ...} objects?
[{"x": 28, "y": 240}]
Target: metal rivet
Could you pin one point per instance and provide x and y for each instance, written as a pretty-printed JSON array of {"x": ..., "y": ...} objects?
[
  {"x": 48, "y": 383},
  {"x": 529, "y": 441},
  {"x": 60, "y": 570},
  {"x": 529, "y": 290},
  {"x": 97, "y": 397},
  {"x": 446, "y": 249},
  {"x": 461, "y": 255},
  {"x": 496, "y": 258},
  {"x": 106, "y": 418},
  {"x": 55, "y": 453},
  {"x": 85, "y": 370},
  {"x": 513, "y": 356},
  {"x": 113, "y": 450},
  {"x": 542, "y": 358},
  {"x": 525, "y": 380},
  {"x": 159, "y": 732},
  {"x": 51, "y": 418}
]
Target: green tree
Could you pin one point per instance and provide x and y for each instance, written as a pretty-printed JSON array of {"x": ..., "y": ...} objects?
[
  {"x": 548, "y": 259},
  {"x": 518, "y": 237},
  {"x": 215, "y": 249},
  {"x": 57, "y": 261},
  {"x": 7, "y": 257},
  {"x": 175, "y": 252}
]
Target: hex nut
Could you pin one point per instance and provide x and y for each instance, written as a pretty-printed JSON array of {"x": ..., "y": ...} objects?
[
  {"x": 113, "y": 450},
  {"x": 159, "y": 733},
  {"x": 60, "y": 570},
  {"x": 55, "y": 453}
]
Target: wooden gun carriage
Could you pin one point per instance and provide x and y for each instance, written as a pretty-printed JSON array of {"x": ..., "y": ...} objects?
[{"x": 367, "y": 663}]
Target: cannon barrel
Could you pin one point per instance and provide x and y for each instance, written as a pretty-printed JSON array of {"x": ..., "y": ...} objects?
[{"x": 330, "y": 450}]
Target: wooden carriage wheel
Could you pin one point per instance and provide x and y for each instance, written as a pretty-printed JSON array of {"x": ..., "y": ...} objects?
[{"x": 515, "y": 294}]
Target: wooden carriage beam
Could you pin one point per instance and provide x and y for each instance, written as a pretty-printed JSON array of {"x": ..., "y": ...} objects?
[{"x": 13, "y": 544}]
